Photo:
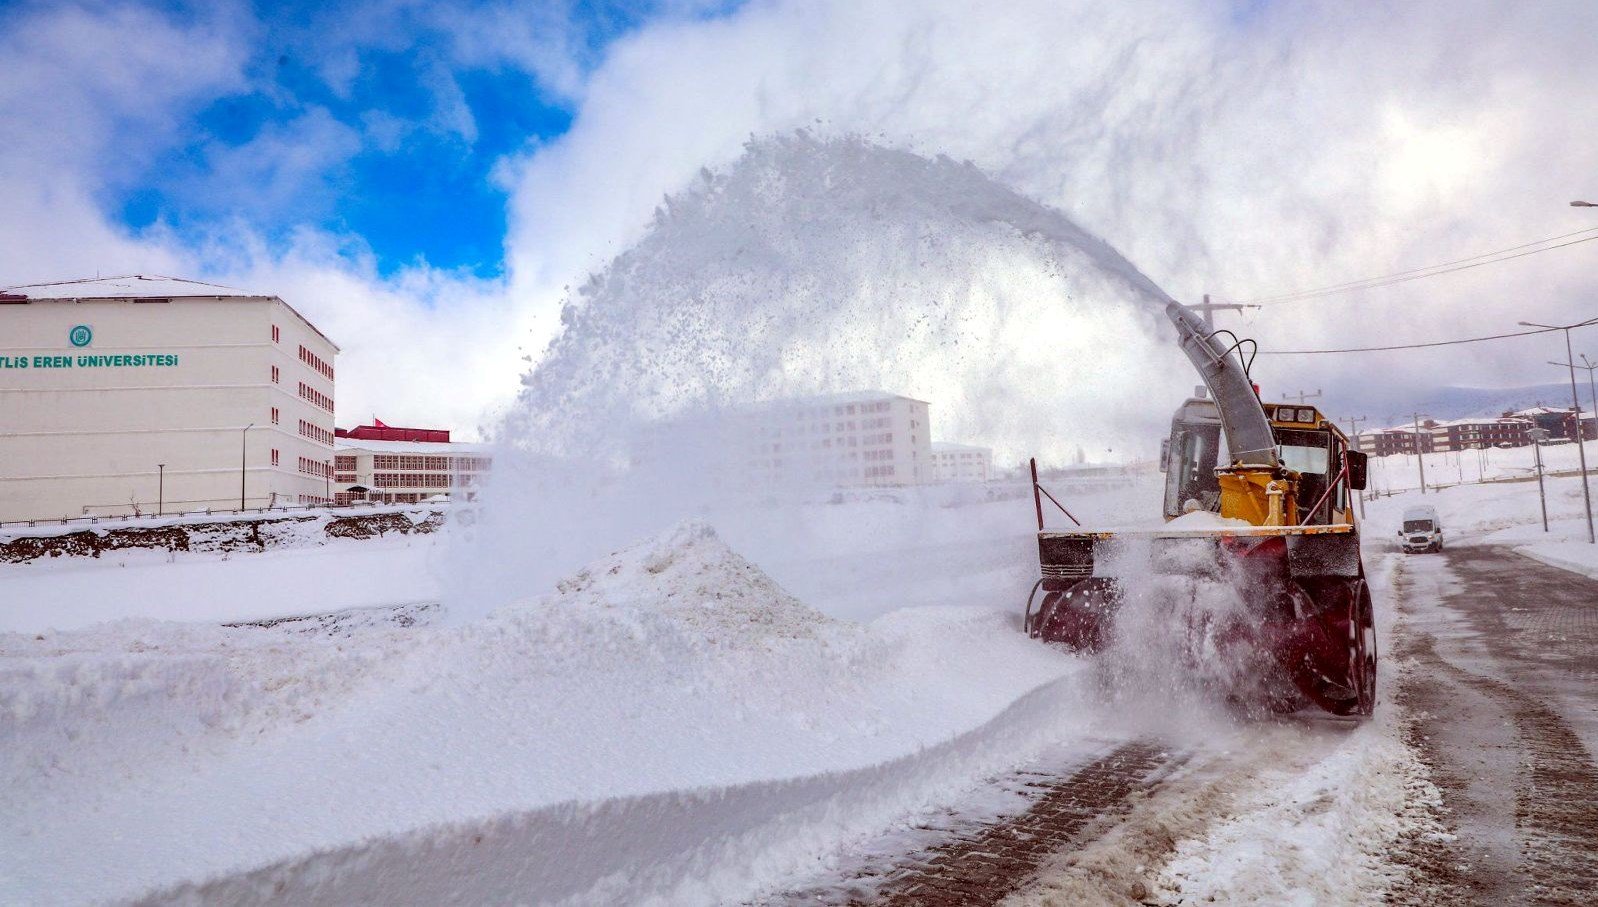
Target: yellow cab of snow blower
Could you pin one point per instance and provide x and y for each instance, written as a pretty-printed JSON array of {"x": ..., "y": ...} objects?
[{"x": 1258, "y": 498}]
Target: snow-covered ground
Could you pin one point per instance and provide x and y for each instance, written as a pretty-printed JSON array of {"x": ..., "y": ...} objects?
[
  {"x": 1503, "y": 513},
  {"x": 676, "y": 722},
  {"x": 1400, "y": 472},
  {"x": 676, "y": 669},
  {"x": 318, "y": 577},
  {"x": 693, "y": 719}
]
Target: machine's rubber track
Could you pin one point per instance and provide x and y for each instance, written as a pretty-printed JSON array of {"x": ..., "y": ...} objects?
[{"x": 983, "y": 863}]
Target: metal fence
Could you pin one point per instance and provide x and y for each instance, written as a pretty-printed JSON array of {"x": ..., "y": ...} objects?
[{"x": 201, "y": 516}]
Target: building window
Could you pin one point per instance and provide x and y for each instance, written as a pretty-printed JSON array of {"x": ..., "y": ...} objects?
[
  {"x": 274, "y": 415},
  {"x": 277, "y": 335},
  {"x": 316, "y": 433},
  {"x": 345, "y": 464},
  {"x": 313, "y": 395},
  {"x": 315, "y": 362},
  {"x": 274, "y": 374},
  {"x": 274, "y": 456}
]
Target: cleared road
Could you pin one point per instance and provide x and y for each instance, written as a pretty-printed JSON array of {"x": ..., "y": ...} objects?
[{"x": 1504, "y": 695}]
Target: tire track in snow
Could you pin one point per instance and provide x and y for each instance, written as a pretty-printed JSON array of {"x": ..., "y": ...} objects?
[
  {"x": 1516, "y": 776},
  {"x": 983, "y": 861}
]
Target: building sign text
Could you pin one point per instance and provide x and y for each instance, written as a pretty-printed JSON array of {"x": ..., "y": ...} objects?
[{"x": 136, "y": 360}]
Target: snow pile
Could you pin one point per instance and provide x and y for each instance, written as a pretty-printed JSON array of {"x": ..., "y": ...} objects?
[
  {"x": 689, "y": 579},
  {"x": 668, "y": 720},
  {"x": 1205, "y": 519}
]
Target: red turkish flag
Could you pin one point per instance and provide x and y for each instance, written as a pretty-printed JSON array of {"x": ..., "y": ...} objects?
[{"x": 378, "y": 423}]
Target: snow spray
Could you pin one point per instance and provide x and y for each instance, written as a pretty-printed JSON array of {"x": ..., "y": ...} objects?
[{"x": 811, "y": 267}]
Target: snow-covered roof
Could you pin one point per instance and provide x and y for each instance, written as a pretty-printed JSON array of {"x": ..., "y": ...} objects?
[
  {"x": 952, "y": 447},
  {"x": 144, "y": 286},
  {"x": 866, "y": 396},
  {"x": 1480, "y": 420},
  {"x": 410, "y": 447},
  {"x": 1548, "y": 411},
  {"x": 132, "y": 286}
]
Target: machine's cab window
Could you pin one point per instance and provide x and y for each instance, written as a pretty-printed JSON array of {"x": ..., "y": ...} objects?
[
  {"x": 1308, "y": 453},
  {"x": 1193, "y": 454}
]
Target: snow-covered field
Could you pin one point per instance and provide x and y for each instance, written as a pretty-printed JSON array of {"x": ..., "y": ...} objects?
[
  {"x": 146, "y": 755},
  {"x": 1503, "y": 513},
  {"x": 677, "y": 722},
  {"x": 1401, "y": 472}
]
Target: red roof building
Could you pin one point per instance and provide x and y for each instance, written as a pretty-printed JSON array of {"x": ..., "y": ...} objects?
[{"x": 377, "y": 431}]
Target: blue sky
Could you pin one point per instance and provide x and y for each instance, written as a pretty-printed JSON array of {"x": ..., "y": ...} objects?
[
  {"x": 405, "y": 169},
  {"x": 376, "y": 119}
]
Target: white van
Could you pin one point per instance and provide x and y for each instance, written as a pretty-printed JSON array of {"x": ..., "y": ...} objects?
[{"x": 1422, "y": 531}]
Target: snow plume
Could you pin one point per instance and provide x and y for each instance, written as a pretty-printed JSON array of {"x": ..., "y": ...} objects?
[
  {"x": 811, "y": 267},
  {"x": 1169, "y": 662}
]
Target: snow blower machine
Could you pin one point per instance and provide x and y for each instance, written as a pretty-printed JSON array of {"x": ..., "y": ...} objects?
[{"x": 1272, "y": 525}]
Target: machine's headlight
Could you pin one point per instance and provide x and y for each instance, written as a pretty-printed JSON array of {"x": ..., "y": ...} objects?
[
  {"x": 1306, "y": 415},
  {"x": 1284, "y": 414}
]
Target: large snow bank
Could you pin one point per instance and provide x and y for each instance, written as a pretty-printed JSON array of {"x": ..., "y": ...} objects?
[{"x": 143, "y": 757}]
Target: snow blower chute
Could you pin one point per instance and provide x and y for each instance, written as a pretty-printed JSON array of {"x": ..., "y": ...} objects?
[{"x": 1286, "y": 543}]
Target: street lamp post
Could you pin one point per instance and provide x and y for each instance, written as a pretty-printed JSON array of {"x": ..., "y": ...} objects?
[
  {"x": 1538, "y": 436},
  {"x": 160, "y": 489},
  {"x": 244, "y": 437},
  {"x": 1592, "y": 386},
  {"x": 1581, "y": 446}
]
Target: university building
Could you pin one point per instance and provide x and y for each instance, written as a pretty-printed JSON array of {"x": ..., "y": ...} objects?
[
  {"x": 384, "y": 464},
  {"x": 863, "y": 438},
  {"x": 143, "y": 395},
  {"x": 961, "y": 462},
  {"x": 1477, "y": 434}
]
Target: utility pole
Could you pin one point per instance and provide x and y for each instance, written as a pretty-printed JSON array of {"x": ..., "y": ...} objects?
[
  {"x": 160, "y": 489},
  {"x": 1538, "y": 436},
  {"x": 1353, "y": 428},
  {"x": 1592, "y": 390},
  {"x": 1302, "y": 397},
  {"x": 1420, "y": 454},
  {"x": 1581, "y": 446},
  {"x": 1208, "y": 309}
]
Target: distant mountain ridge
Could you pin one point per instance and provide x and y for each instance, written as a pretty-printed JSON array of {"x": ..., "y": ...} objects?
[{"x": 1444, "y": 403}]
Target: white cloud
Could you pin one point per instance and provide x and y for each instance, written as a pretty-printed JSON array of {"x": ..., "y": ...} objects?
[
  {"x": 1313, "y": 144},
  {"x": 1305, "y": 144}
]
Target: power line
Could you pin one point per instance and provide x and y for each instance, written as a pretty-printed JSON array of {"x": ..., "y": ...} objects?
[
  {"x": 1447, "y": 267},
  {"x": 1416, "y": 346}
]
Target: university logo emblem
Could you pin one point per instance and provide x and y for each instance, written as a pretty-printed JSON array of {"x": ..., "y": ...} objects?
[{"x": 80, "y": 335}]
